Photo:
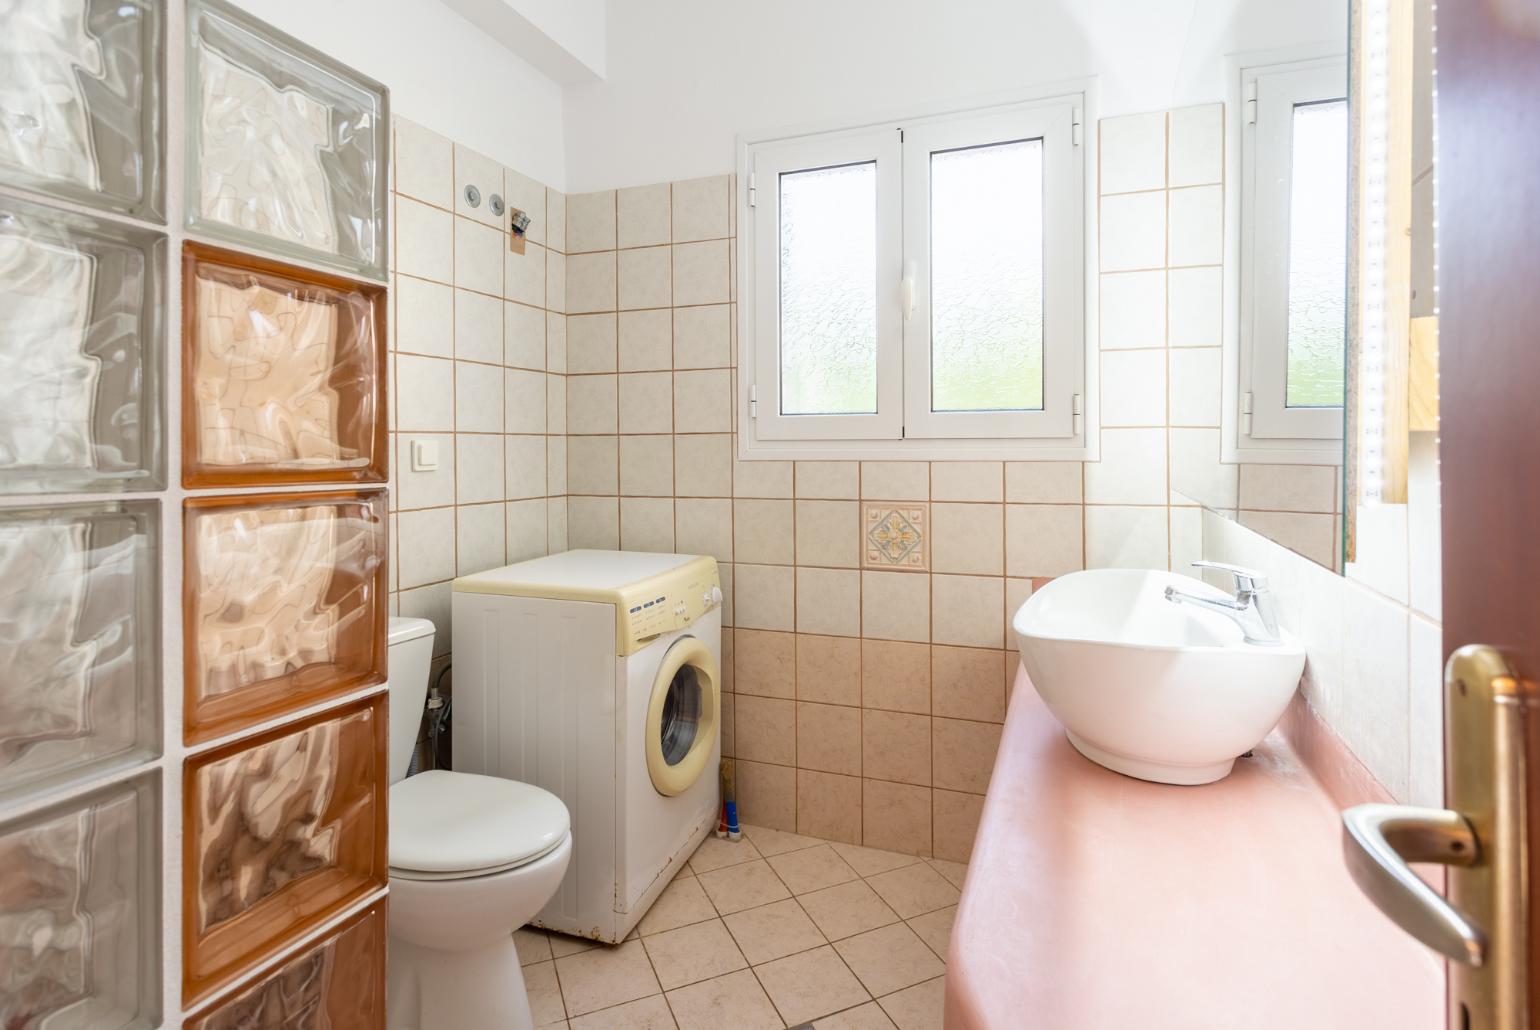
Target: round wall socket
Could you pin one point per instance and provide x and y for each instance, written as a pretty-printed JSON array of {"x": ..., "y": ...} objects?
[
  {"x": 472, "y": 196},
  {"x": 495, "y": 203}
]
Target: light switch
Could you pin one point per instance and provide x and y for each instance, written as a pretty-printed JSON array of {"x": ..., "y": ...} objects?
[{"x": 424, "y": 455}]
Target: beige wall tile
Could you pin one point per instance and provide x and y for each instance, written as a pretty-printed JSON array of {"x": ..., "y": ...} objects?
[
  {"x": 1133, "y": 152},
  {"x": 591, "y": 403},
  {"x": 1134, "y": 388},
  {"x": 829, "y": 601},
  {"x": 829, "y": 669},
  {"x": 593, "y": 522},
  {"x": 1043, "y": 539},
  {"x": 646, "y": 402},
  {"x": 1197, "y": 145},
  {"x": 767, "y": 795},
  {"x": 1126, "y": 537},
  {"x": 895, "y": 480},
  {"x": 703, "y": 465},
  {"x": 479, "y": 259},
  {"x": 703, "y": 337},
  {"x": 964, "y": 753},
  {"x": 525, "y": 194},
  {"x": 643, "y": 278},
  {"x": 1133, "y": 231},
  {"x": 647, "y": 466},
  {"x": 836, "y": 480},
  {"x": 424, "y": 164},
  {"x": 642, "y": 215},
  {"x": 526, "y": 336},
  {"x": 762, "y": 478},
  {"x": 895, "y": 676},
  {"x": 700, "y": 273},
  {"x": 763, "y": 531},
  {"x": 728, "y": 716},
  {"x": 828, "y": 532},
  {"x": 895, "y": 746},
  {"x": 525, "y": 275},
  {"x": 590, "y": 221},
  {"x": 591, "y": 282},
  {"x": 968, "y": 610},
  {"x": 425, "y": 242},
  {"x": 703, "y": 401},
  {"x": 766, "y": 729},
  {"x": 647, "y": 524},
  {"x": 556, "y": 220},
  {"x": 967, "y": 538},
  {"x": 701, "y": 208},
  {"x": 704, "y": 525},
  {"x": 966, "y": 480},
  {"x": 1132, "y": 469},
  {"x": 829, "y": 738},
  {"x": 1133, "y": 309},
  {"x": 1196, "y": 307},
  {"x": 956, "y": 822},
  {"x": 895, "y": 605},
  {"x": 478, "y": 327},
  {"x": 1302, "y": 488},
  {"x": 765, "y": 663},
  {"x": 645, "y": 341},
  {"x": 896, "y": 817},
  {"x": 1197, "y": 226},
  {"x": 968, "y": 683},
  {"x": 592, "y": 465},
  {"x": 591, "y": 343},
  {"x": 1196, "y": 386},
  {"x": 424, "y": 317},
  {"x": 829, "y": 806},
  {"x": 1043, "y": 482}
]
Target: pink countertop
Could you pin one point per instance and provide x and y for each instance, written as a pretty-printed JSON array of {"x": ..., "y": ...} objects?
[{"x": 1098, "y": 902}]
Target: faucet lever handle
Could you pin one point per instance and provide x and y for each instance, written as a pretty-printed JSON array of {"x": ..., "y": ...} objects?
[{"x": 1248, "y": 580}]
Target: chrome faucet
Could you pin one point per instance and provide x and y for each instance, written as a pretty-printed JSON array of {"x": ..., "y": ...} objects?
[{"x": 1251, "y": 608}]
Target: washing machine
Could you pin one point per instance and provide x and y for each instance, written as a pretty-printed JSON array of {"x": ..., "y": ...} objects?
[{"x": 596, "y": 675}]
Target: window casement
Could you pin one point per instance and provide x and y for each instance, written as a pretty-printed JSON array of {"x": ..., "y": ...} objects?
[
  {"x": 916, "y": 287},
  {"x": 1293, "y": 260}
]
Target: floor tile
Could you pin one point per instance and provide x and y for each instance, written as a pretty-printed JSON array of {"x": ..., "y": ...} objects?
[
  {"x": 847, "y": 909},
  {"x": 889, "y": 959},
  {"x": 738, "y": 887},
  {"x": 863, "y": 1017},
  {"x": 563, "y": 945},
  {"x": 545, "y": 1002},
  {"x": 693, "y": 953},
  {"x": 649, "y": 1013},
  {"x": 604, "y": 977},
  {"x": 935, "y": 929},
  {"x": 917, "y": 1008},
  {"x": 778, "y": 842},
  {"x": 871, "y": 861},
  {"x": 955, "y": 872},
  {"x": 773, "y": 931},
  {"x": 735, "y": 1000},
  {"x": 533, "y": 943},
  {"x": 718, "y": 852},
  {"x": 914, "y": 890},
  {"x": 682, "y": 902},
  {"x": 811, "y": 869},
  {"x": 812, "y": 984}
]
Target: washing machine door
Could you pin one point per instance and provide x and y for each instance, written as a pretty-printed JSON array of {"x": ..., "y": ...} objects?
[{"x": 683, "y": 717}]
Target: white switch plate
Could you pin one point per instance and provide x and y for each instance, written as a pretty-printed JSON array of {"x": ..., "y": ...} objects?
[{"x": 424, "y": 455}]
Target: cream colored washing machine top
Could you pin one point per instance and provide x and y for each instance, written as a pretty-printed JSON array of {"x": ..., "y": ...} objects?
[{"x": 596, "y": 675}]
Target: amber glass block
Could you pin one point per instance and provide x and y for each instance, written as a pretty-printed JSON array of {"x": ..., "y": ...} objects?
[
  {"x": 336, "y": 984},
  {"x": 79, "y": 640},
  {"x": 280, "y": 833},
  {"x": 283, "y": 604},
  {"x": 80, "y": 913},
  {"x": 283, "y": 376}
]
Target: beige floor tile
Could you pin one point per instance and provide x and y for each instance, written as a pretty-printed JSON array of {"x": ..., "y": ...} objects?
[
  {"x": 719, "y": 852},
  {"x": 778, "y": 842},
  {"x": 545, "y": 1002},
  {"x": 533, "y": 943},
  {"x": 914, "y": 890},
  {"x": 773, "y": 931},
  {"x": 812, "y": 984},
  {"x": 955, "y": 872},
  {"x": 917, "y": 1008},
  {"x": 811, "y": 869},
  {"x": 682, "y": 902},
  {"x": 693, "y": 953},
  {"x": 735, "y": 1000},
  {"x": 871, "y": 861},
  {"x": 935, "y": 929},
  {"x": 604, "y": 977},
  {"x": 889, "y": 959},
  {"x": 563, "y": 945},
  {"x": 650, "y": 1013},
  {"x": 847, "y": 910},
  {"x": 863, "y": 1017},
  {"x": 738, "y": 887}
]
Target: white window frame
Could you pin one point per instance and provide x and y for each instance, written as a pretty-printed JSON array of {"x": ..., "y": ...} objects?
[
  {"x": 904, "y": 426},
  {"x": 1258, "y": 424}
]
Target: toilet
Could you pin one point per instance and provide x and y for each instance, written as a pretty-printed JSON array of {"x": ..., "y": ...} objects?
[{"x": 472, "y": 858}]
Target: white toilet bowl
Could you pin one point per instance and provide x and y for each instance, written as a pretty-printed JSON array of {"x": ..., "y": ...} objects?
[{"x": 472, "y": 858}]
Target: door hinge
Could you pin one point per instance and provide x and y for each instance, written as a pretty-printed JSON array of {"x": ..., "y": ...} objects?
[
  {"x": 753, "y": 191},
  {"x": 1075, "y": 409},
  {"x": 1075, "y": 132},
  {"x": 1251, "y": 102},
  {"x": 753, "y": 402}
]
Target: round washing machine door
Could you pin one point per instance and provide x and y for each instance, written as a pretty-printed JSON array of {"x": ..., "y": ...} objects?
[{"x": 683, "y": 716}]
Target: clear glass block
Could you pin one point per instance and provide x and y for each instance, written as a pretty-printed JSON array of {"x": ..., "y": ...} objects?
[
  {"x": 1318, "y": 226},
  {"x": 337, "y": 982},
  {"x": 283, "y": 377},
  {"x": 284, "y": 604},
  {"x": 286, "y": 147},
  {"x": 829, "y": 290},
  {"x": 80, "y": 913},
  {"x": 79, "y": 640},
  {"x": 81, "y": 312},
  {"x": 986, "y": 272},
  {"x": 281, "y": 833},
  {"x": 82, "y": 99}
]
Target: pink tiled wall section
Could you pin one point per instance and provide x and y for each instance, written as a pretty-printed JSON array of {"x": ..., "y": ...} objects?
[{"x": 478, "y": 355}]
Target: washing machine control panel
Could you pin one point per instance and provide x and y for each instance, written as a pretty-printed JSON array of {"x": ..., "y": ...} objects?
[{"x": 666, "y": 603}]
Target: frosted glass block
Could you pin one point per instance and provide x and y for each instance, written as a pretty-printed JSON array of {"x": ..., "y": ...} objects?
[
  {"x": 283, "y": 373},
  {"x": 284, "y": 604},
  {"x": 986, "y": 268},
  {"x": 80, "y": 914},
  {"x": 81, "y": 101},
  {"x": 286, "y": 147},
  {"x": 79, "y": 639},
  {"x": 1318, "y": 226},
  {"x": 281, "y": 833},
  {"x": 336, "y": 984},
  {"x": 81, "y": 311},
  {"x": 829, "y": 290}
]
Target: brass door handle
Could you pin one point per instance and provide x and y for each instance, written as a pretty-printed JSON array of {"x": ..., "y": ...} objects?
[{"x": 1379, "y": 842}]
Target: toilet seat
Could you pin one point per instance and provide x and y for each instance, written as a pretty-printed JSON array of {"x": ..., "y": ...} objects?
[{"x": 451, "y": 826}]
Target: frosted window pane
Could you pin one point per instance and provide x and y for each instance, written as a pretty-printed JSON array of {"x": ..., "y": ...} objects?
[
  {"x": 829, "y": 291},
  {"x": 1318, "y": 255},
  {"x": 986, "y": 253}
]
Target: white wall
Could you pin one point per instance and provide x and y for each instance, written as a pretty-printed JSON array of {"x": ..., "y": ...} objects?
[
  {"x": 685, "y": 76},
  {"x": 443, "y": 73}
]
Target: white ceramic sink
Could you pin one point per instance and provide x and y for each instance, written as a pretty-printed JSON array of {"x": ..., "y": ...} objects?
[{"x": 1161, "y": 691}]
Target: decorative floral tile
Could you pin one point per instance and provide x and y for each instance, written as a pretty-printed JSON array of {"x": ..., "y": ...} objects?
[{"x": 894, "y": 536}]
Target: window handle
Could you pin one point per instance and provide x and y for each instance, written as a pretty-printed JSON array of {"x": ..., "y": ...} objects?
[{"x": 908, "y": 290}]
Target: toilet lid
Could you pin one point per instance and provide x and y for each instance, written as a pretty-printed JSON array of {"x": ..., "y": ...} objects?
[{"x": 448, "y": 822}]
